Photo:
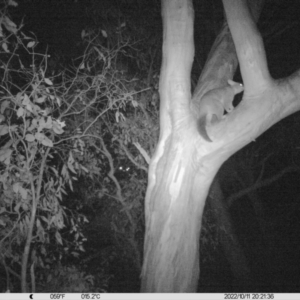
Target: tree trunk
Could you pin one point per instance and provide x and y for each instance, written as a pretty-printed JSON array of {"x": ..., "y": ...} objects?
[
  {"x": 228, "y": 239},
  {"x": 184, "y": 164}
]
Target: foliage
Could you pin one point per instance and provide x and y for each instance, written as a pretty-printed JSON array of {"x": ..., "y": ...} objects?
[
  {"x": 57, "y": 129},
  {"x": 126, "y": 127},
  {"x": 67, "y": 279},
  {"x": 35, "y": 164}
]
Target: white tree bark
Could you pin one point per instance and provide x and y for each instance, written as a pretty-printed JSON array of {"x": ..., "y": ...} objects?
[{"x": 184, "y": 165}]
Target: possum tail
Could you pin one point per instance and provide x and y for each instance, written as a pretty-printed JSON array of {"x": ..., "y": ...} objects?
[{"x": 201, "y": 125}]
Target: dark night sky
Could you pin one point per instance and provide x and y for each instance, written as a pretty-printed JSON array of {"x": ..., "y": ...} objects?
[{"x": 58, "y": 24}]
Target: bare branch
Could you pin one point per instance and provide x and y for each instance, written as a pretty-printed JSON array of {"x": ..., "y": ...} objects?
[{"x": 260, "y": 184}]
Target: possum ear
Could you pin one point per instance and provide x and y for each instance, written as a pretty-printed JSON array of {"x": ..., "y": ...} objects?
[
  {"x": 231, "y": 82},
  {"x": 229, "y": 106},
  {"x": 237, "y": 85}
]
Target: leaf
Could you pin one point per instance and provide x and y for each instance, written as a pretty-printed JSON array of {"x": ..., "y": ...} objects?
[
  {"x": 21, "y": 157},
  {"x": 41, "y": 99},
  {"x": 16, "y": 187},
  {"x": 31, "y": 44},
  {"x": 75, "y": 254},
  {"x": 23, "y": 192},
  {"x": 41, "y": 124},
  {"x": 82, "y": 66},
  {"x": 84, "y": 168},
  {"x": 20, "y": 112},
  {"x": 17, "y": 207},
  {"x": 48, "y": 81},
  {"x": 64, "y": 171},
  {"x": 48, "y": 123},
  {"x": 4, "y": 106},
  {"x": 5, "y": 155},
  {"x": 27, "y": 221},
  {"x": 71, "y": 185},
  {"x": 19, "y": 97},
  {"x": 2, "y": 222},
  {"x": 47, "y": 142},
  {"x": 57, "y": 128},
  {"x": 40, "y": 231},
  {"x": 63, "y": 191},
  {"x": 13, "y": 128},
  {"x": 58, "y": 101},
  {"x": 25, "y": 206},
  {"x": 58, "y": 237},
  {"x": 122, "y": 117},
  {"x": 43, "y": 250},
  {"x": 38, "y": 224},
  {"x": 26, "y": 101},
  {"x": 45, "y": 112},
  {"x": 134, "y": 103},
  {"x": 53, "y": 219},
  {"x": 7, "y": 145},
  {"x": 3, "y": 129},
  {"x": 49, "y": 278},
  {"x": 54, "y": 171},
  {"x": 45, "y": 124},
  {"x": 45, "y": 219},
  {"x": 5, "y": 48},
  {"x": 12, "y": 3},
  {"x": 34, "y": 124},
  {"x": 39, "y": 136},
  {"x": 29, "y": 137},
  {"x": 35, "y": 108},
  {"x": 21, "y": 227},
  {"x": 61, "y": 123},
  {"x": 71, "y": 167},
  {"x": 71, "y": 162},
  {"x": 9, "y": 25}
]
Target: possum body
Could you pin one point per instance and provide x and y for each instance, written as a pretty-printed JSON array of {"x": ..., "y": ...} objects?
[{"x": 214, "y": 103}]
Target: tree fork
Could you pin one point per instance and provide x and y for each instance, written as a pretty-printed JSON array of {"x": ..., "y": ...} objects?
[{"x": 184, "y": 165}]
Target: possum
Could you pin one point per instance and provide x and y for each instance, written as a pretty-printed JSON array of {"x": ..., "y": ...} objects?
[{"x": 214, "y": 103}]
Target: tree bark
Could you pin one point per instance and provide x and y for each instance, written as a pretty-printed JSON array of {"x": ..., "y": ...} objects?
[
  {"x": 184, "y": 165},
  {"x": 232, "y": 249}
]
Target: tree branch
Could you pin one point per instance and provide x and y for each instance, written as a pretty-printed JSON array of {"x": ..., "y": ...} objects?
[
  {"x": 260, "y": 184},
  {"x": 249, "y": 45}
]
